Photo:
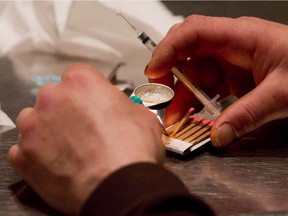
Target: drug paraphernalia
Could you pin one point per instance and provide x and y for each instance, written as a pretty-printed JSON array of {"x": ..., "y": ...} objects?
[
  {"x": 182, "y": 122},
  {"x": 192, "y": 134},
  {"x": 192, "y": 131},
  {"x": 211, "y": 108},
  {"x": 155, "y": 96}
]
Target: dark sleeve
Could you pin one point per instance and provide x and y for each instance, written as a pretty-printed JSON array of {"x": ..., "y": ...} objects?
[{"x": 143, "y": 189}]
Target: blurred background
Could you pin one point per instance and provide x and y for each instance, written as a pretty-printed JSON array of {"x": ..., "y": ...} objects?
[{"x": 270, "y": 10}]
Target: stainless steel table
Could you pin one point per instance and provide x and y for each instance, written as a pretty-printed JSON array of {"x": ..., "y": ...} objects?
[{"x": 251, "y": 180}]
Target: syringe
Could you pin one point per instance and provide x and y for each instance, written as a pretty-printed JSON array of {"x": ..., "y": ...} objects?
[{"x": 211, "y": 108}]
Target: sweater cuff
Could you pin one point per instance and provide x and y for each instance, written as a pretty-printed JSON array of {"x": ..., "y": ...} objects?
[{"x": 131, "y": 187}]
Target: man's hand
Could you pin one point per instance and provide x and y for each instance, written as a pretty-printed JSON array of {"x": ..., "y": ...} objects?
[
  {"x": 78, "y": 133},
  {"x": 246, "y": 57}
]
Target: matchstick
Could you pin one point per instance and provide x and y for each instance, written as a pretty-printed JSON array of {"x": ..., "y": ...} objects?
[
  {"x": 196, "y": 136},
  {"x": 194, "y": 121},
  {"x": 181, "y": 122},
  {"x": 194, "y": 130},
  {"x": 171, "y": 128}
]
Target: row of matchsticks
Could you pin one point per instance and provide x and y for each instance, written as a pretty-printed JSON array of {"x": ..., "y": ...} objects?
[{"x": 190, "y": 129}]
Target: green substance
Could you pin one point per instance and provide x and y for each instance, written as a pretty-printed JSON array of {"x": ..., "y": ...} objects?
[{"x": 136, "y": 99}]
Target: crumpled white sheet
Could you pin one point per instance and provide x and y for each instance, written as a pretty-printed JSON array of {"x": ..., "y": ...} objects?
[
  {"x": 5, "y": 122},
  {"x": 88, "y": 30}
]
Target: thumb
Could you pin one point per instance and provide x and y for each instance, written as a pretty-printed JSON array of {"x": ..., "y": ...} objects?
[{"x": 266, "y": 103}]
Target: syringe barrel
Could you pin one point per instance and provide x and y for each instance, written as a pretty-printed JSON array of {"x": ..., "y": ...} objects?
[
  {"x": 147, "y": 41},
  {"x": 150, "y": 44},
  {"x": 212, "y": 108}
]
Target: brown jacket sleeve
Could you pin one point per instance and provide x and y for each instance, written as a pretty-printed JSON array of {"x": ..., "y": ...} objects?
[{"x": 143, "y": 189}]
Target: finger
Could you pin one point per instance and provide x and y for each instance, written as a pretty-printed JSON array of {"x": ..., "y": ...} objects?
[
  {"x": 174, "y": 28},
  {"x": 202, "y": 35},
  {"x": 17, "y": 160},
  {"x": 167, "y": 80},
  {"x": 207, "y": 74},
  {"x": 23, "y": 121},
  {"x": 266, "y": 103},
  {"x": 238, "y": 80}
]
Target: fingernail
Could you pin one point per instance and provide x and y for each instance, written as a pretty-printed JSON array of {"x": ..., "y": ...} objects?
[{"x": 225, "y": 135}]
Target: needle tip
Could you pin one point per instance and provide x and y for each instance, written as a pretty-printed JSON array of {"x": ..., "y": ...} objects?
[{"x": 119, "y": 13}]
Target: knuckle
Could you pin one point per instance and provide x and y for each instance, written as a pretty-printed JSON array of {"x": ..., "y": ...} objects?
[
  {"x": 249, "y": 19},
  {"x": 174, "y": 28},
  {"x": 279, "y": 93},
  {"x": 22, "y": 115},
  {"x": 80, "y": 74},
  {"x": 147, "y": 116},
  {"x": 197, "y": 19},
  {"x": 153, "y": 122},
  {"x": 243, "y": 118},
  {"x": 280, "y": 97},
  {"x": 12, "y": 156},
  {"x": 73, "y": 72},
  {"x": 250, "y": 121},
  {"x": 24, "y": 122},
  {"x": 28, "y": 128},
  {"x": 45, "y": 96}
]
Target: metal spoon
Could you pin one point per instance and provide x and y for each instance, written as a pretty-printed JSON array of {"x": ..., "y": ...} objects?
[{"x": 154, "y": 96}]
